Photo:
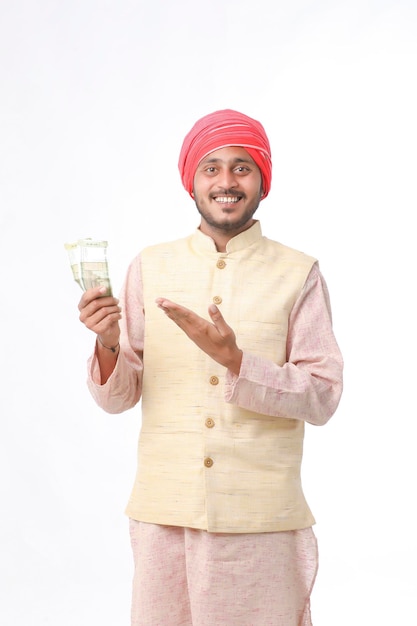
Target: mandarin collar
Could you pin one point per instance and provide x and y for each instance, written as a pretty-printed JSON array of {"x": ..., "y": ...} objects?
[{"x": 204, "y": 243}]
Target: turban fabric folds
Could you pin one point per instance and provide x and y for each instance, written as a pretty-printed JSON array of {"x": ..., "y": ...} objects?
[{"x": 223, "y": 129}]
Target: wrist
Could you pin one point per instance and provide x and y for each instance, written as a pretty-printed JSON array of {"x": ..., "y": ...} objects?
[
  {"x": 236, "y": 363},
  {"x": 112, "y": 347}
]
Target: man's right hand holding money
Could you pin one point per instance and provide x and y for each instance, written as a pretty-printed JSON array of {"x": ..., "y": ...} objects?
[{"x": 101, "y": 314}]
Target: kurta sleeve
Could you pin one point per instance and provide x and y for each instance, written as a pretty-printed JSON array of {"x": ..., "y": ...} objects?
[
  {"x": 309, "y": 385},
  {"x": 123, "y": 389}
]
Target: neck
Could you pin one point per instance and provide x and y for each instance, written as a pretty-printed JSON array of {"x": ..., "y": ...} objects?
[{"x": 220, "y": 236}]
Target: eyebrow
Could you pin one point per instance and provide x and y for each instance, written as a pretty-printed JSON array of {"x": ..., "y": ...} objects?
[{"x": 233, "y": 161}]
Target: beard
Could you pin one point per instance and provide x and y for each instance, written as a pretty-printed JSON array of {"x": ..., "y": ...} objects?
[{"x": 233, "y": 223}]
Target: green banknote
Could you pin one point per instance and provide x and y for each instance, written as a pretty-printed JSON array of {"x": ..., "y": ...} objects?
[{"x": 88, "y": 260}]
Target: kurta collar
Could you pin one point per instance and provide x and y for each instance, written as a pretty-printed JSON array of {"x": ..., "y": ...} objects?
[{"x": 204, "y": 243}]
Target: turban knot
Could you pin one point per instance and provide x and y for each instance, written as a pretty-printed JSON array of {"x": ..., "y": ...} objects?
[{"x": 223, "y": 129}]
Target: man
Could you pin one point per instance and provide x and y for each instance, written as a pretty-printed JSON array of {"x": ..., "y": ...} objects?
[{"x": 243, "y": 357}]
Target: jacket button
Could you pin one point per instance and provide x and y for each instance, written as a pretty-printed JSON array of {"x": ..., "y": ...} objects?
[
  {"x": 209, "y": 422},
  {"x": 221, "y": 264},
  {"x": 208, "y": 462},
  {"x": 217, "y": 300},
  {"x": 214, "y": 380}
]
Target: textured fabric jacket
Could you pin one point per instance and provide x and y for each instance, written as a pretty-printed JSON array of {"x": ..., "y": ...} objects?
[{"x": 204, "y": 462}]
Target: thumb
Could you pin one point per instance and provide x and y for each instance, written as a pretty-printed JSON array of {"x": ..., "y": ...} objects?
[
  {"x": 218, "y": 320},
  {"x": 214, "y": 313}
]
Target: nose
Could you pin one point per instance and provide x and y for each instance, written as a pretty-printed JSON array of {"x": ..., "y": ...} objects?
[{"x": 227, "y": 179}]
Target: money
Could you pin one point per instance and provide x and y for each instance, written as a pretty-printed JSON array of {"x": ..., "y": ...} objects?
[{"x": 88, "y": 260}]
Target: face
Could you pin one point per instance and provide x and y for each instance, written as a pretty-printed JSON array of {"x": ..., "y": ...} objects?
[{"x": 227, "y": 190}]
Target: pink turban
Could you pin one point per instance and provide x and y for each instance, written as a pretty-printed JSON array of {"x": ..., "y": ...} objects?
[{"x": 220, "y": 130}]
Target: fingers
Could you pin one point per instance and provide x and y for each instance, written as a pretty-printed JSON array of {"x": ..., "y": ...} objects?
[
  {"x": 91, "y": 294},
  {"x": 168, "y": 306},
  {"x": 215, "y": 338},
  {"x": 179, "y": 313},
  {"x": 97, "y": 312},
  {"x": 193, "y": 323},
  {"x": 176, "y": 312}
]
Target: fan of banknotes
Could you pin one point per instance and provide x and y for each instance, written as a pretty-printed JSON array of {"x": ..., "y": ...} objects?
[{"x": 88, "y": 259}]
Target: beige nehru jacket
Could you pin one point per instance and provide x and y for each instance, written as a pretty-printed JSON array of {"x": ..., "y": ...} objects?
[{"x": 204, "y": 462}]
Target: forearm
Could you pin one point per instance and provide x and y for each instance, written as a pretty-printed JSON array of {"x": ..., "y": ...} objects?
[
  {"x": 288, "y": 391},
  {"x": 115, "y": 378},
  {"x": 309, "y": 385},
  {"x": 107, "y": 358},
  {"x": 123, "y": 387}
]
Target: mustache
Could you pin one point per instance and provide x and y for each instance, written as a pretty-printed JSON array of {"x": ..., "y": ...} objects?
[{"x": 227, "y": 192}]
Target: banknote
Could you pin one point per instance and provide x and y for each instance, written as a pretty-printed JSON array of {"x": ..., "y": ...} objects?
[{"x": 89, "y": 264}]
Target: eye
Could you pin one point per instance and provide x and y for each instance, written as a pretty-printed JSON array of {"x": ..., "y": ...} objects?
[{"x": 242, "y": 169}]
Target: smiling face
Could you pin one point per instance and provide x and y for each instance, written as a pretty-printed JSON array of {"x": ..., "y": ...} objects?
[{"x": 227, "y": 191}]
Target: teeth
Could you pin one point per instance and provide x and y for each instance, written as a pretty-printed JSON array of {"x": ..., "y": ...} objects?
[{"x": 226, "y": 199}]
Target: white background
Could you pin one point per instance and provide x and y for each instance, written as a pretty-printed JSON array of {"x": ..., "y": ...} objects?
[{"x": 95, "y": 99}]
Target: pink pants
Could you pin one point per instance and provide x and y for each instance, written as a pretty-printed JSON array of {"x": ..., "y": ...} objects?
[{"x": 186, "y": 577}]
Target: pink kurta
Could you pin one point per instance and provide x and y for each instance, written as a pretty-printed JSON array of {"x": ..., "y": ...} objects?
[
  {"x": 189, "y": 577},
  {"x": 292, "y": 390}
]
